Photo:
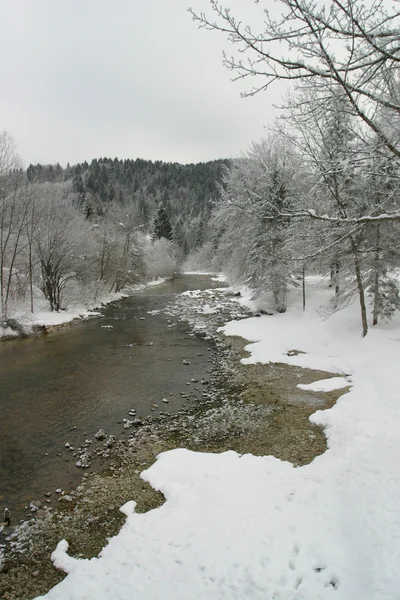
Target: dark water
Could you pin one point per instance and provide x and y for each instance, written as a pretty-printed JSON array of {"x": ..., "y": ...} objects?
[{"x": 89, "y": 377}]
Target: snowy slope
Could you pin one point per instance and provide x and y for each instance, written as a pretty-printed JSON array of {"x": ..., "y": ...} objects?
[{"x": 244, "y": 527}]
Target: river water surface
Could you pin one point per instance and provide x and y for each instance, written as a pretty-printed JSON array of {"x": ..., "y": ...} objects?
[{"x": 65, "y": 386}]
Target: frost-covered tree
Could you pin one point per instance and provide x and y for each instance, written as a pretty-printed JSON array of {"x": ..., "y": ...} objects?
[
  {"x": 161, "y": 258},
  {"x": 331, "y": 147},
  {"x": 382, "y": 255},
  {"x": 352, "y": 45},
  {"x": 14, "y": 206},
  {"x": 131, "y": 266},
  {"x": 58, "y": 242},
  {"x": 252, "y": 246}
]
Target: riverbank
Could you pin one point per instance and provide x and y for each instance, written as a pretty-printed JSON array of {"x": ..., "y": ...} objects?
[
  {"x": 24, "y": 323},
  {"x": 254, "y": 409}
]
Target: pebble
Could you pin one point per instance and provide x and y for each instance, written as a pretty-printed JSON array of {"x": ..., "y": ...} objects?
[{"x": 65, "y": 498}]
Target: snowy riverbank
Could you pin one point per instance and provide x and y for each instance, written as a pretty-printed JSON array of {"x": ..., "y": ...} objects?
[
  {"x": 242, "y": 526},
  {"x": 27, "y": 322}
]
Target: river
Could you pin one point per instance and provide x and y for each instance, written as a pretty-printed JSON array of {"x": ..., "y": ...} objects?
[{"x": 61, "y": 388}]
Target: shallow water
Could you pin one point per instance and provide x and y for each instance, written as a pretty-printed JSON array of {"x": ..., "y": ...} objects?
[{"x": 88, "y": 377}]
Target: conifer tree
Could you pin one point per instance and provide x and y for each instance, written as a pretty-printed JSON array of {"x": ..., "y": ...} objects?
[{"x": 162, "y": 225}]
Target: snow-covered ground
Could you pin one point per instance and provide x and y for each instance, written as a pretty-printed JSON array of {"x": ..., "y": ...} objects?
[
  {"x": 73, "y": 310},
  {"x": 245, "y": 527}
]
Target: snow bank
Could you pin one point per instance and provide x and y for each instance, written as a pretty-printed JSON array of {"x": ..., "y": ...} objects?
[
  {"x": 215, "y": 276},
  {"x": 157, "y": 281},
  {"x": 244, "y": 527}
]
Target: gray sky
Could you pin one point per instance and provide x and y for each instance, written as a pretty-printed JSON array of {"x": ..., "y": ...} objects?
[{"x": 128, "y": 78}]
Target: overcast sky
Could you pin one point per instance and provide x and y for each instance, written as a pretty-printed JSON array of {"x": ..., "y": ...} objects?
[{"x": 128, "y": 78}]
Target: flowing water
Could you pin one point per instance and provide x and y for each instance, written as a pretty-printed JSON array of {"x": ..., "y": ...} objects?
[{"x": 65, "y": 386}]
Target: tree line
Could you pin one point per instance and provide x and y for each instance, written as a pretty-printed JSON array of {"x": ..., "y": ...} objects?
[
  {"x": 185, "y": 193},
  {"x": 80, "y": 232}
]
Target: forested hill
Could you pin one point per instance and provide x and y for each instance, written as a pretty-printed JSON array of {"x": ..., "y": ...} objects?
[{"x": 185, "y": 193}]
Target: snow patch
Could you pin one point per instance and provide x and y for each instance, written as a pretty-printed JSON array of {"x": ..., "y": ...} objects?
[{"x": 325, "y": 385}]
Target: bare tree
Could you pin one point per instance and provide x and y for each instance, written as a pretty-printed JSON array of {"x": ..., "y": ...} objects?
[
  {"x": 9, "y": 158},
  {"x": 348, "y": 43},
  {"x": 13, "y": 214},
  {"x": 58, "y": 242}
]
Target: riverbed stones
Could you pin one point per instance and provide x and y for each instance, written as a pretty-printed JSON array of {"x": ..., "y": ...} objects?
[
  {"x": 84, "y": 461},
  {"x": 65, "y": 498},
  {"x": 111, "y": 441},
  {"x": 100, "y": 435}
]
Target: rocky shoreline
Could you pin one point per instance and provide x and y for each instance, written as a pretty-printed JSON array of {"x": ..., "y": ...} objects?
[{"x": 252, "y": 408}]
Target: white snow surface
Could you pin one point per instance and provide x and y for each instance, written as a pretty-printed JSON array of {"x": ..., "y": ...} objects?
[
  {"x": 245, "y": 527},
  {"x": 325, "y": 385}
]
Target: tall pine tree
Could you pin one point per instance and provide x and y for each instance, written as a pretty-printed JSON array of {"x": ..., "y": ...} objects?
[{"x": 162, "y": 225}]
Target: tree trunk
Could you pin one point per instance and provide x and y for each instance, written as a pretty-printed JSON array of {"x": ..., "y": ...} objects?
[
  {"x": 376, "y": 278},
  {"x": 337, "y": 284},
  {"x": 360, "y": 287},
  {"x": 31, "y": 277},
  {"x": 304, "y": 287}
]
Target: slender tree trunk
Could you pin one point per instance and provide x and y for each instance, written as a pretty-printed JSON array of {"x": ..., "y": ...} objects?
[
  {"x": 337, "y": 278},
  {"x": 376, "y": 278},
  {"x": 2, "y": 258},
  {"x": 31, "y": 276},
  {"x": 360, "y": 286},
  {"x": 332, "y": 278},
  {"x": 304, "y": 287}
]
